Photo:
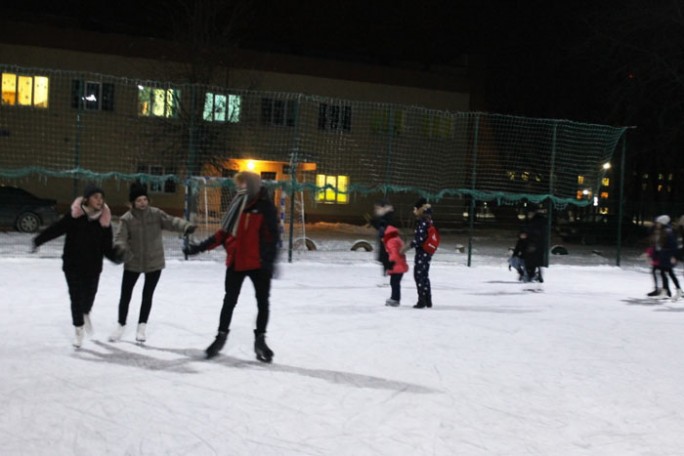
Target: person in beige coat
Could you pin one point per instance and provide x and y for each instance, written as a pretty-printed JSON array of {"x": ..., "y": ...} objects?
[{"x": 139, "y": 237}]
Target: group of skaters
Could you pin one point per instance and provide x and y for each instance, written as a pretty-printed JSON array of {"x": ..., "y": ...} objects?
[
  {"x": 664, "y": 252},
  {"x": 392, "y": 250},
  {"x": 249, "y": 233},
  {"x": 528, "y": 255}
]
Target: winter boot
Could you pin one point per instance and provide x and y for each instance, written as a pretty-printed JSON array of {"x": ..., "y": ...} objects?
[
  {"x": 140, "y": 333},
  {"x": 87, "y": 324},
  {"x": 263, "y": 353},
  {"x": 216, "y": 346},
  {"x": 428, "y": 302},
  {"x": 392, "y": 303},
  {"x": 655, "y": 293},
  {"x": 421, "y": 304},
  {"x": 117, "y": 333},
  {"x": 80, "y": 333}
]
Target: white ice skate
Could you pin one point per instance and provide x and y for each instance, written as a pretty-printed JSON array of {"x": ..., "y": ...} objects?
[
  {"x": 87, "y": 324},
  {"x": 140, "y": 333},
  {"x": 78, "y": 340},
  {"x": 117, "y": 333}
]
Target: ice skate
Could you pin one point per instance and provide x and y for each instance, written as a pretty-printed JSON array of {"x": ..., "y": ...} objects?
[
  {"x": 392, "y": 303},
  {"x": 216, "y": 346},
  {"x": 140, "y": 333},
  {"x": 421, "y": 304},
  {"x": 87, "y": 324},
  {"x": 655, "y": 293},
  {"x": 263, "y": 353},
  {"x": 78, "y": 340},
  {"x": 677, "y": 295},
  {"x": 117, "y": 333}
]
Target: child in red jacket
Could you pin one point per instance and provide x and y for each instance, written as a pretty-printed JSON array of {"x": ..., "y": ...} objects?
[{"x": 397, "y": 263}]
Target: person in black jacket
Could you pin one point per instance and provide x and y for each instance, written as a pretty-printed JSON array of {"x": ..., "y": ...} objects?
[
  {"x": 383, "y": 212},
  {"x": 534, "y": 255},
  {"x": 250, "y": 235},
  {"x": 88, "y": 231}
]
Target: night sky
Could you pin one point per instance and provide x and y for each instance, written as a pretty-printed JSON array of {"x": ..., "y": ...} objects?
[{"x": 610, "y": 62}]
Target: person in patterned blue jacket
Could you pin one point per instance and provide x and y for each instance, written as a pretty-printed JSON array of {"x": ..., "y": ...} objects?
[{"x": 421, "y": 269}]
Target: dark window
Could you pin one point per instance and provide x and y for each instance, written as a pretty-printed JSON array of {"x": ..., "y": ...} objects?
[
  {"x": 278, "y": 112},
  {"x": 334, "y": 118},
  {"x": 92, "y": 95}
]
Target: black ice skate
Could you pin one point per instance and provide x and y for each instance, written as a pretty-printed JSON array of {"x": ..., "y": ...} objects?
[
  {"x": 263, "y": 353},
  {"x": 216, "y": 346}
]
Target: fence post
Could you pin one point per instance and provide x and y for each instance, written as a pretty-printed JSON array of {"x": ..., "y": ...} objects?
[{"x": 476, "y": 134}]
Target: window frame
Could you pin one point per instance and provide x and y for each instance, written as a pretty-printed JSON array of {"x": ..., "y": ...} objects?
[{"x": 171, "y": 101}]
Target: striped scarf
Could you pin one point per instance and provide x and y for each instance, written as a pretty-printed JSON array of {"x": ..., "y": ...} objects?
[{"x": 230, "y": 218}]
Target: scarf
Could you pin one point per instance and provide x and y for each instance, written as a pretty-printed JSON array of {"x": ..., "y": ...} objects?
[{"x": 232, "y": 215}]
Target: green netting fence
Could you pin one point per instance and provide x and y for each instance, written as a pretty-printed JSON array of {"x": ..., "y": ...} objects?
[{"x": 59, "y": 129}]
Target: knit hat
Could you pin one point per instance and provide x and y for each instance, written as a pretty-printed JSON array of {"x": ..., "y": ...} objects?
[
  {"x": 663, "y": 219},
  {"x": 137, "y": 189},
  {"x": 253, "y": 181},
  {"x": 420, "y": 203},
  {"x": 90, "y": 190}
]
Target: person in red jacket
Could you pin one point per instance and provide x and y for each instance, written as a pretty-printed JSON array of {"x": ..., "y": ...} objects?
[
  {"x": 396, "y": 262},
  {"x": 250, "y": 234}
]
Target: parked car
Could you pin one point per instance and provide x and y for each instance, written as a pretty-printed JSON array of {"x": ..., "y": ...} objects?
[
  {"x": 600, "y": 228},
  {"x": 24, "y": 211}
]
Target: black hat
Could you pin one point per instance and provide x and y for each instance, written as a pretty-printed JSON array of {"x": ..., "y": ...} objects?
[
  {"x": 420, "y": 203},
  {"x": 137, "y": 189},
  {"x": 90, "y": 190}
]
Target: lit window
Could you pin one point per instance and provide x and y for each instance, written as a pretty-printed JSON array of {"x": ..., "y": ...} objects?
[
  {"x": 580, "y": 194},
  {"x": 334, "y": 118},
  {"x": 580, "y": 180},
  {"x": 335, "y": 191},
  {"x": 157, "y": 102},
  {"x": 21, "y": 90},
  {"x": 222, "y": 108},
  {"x": 604, "y": 195},
  {"x": 605, "y": 181},
  {"x": 603, "y": 210}
]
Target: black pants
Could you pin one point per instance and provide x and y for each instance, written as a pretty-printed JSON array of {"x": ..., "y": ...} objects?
[
  {"x": 664, "y": 272},
  {"x": 261, "y": 280},
  {"x": 395, "y": 283},
  {"x": 82, "y": 291},
  {"x": 127, "y": 284}
]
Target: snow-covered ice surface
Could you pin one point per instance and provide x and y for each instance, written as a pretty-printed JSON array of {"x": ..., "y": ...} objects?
[{"x": 585, "y": 366}]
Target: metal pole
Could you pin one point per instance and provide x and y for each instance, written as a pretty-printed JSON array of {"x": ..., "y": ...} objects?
[
  {"x": 294, "y": 160},
  {"x": 620, "y": 200},
  {"x": 473, "y": 182},
  {"x": 549, "y": 216}
]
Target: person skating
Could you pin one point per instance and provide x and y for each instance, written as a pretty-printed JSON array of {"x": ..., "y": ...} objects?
[
  {"x": 517, "y": 260},
  {"x": 139, "y": 237},
  {"x": 249, "y": 234},
  {"x": 396, "y": 262},
  {"x": 664, "y": 243},
  {"x": 88, "y": 238},
  {"x": 535, "y": 256},
  {"x": 383, "y": 213},
  {"x": 421, "y": 268}
]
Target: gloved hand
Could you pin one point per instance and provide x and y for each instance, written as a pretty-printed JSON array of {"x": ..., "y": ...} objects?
[
  {"x": 119, "y": 255},
  {"x": 190, "y": 229},
  {"x": 192, "y": 249}
]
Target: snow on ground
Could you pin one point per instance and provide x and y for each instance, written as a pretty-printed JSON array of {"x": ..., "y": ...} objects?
[{"x": 586, "y": 365}]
